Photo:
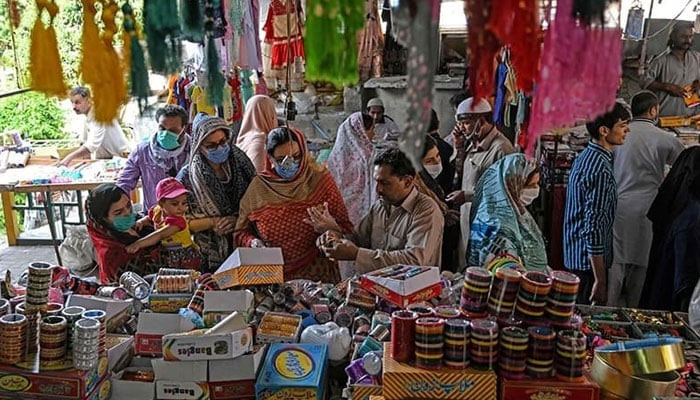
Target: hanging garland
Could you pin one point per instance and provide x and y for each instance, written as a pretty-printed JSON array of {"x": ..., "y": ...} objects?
[
  {"x": 45, "y": 64},
  {"x": 215, "y": 79},
  {"x": 134, "y": 58},
  {"x": 191, "y": 19},
  {"x": 162, "y": 27}
]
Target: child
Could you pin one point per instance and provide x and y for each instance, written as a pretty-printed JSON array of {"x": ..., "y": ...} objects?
[{"x": 172, "y": 228}]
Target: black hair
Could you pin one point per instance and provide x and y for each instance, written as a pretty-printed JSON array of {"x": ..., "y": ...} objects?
[
  {"x": 172, "y": 110},
  {"x": 676, "y": 29},
  {"x": 367, "y": 121},
  {"x": 399, "y": 163},
  {"x": 80, "y": 90},
  {"x": 608, "y": 120},
  {"x": 643, "y": 101},
  {"x": 459, "y": 97},
  {"x": 278, "y": 137},
  {"x": 434, "y": 121},
  {"x": 97, "y": 207},
  {"x": 429, "y": 144}
]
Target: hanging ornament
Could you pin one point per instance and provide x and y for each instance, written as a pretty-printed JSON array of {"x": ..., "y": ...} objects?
[
  {"x": 134, "y": 58},
  {"x": 215, "y": 79},
  {"x": 191, "y": 19},
  {"x": 162, "y": 27},
  {"x": 45, "y": 64}
]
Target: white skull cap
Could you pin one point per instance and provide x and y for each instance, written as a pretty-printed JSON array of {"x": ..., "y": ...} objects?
[
  {"x": 468, "y": 107},
  {"x": 375, "y": 102}
]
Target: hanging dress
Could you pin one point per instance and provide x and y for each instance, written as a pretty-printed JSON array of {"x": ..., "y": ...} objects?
[{"x": 276, "y": 33}]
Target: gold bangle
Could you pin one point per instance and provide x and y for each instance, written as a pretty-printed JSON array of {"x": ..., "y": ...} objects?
[
  {"x": 644, "y": 357},
  {"x": 617, "y": 383}
]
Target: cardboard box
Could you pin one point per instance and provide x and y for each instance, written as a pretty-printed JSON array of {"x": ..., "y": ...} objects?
[
  {"x": 118, "y": 311},
  {"x": 403, "y": 381},
  {"x": 241, "y": 368},
  {"x": 168, "y": 302},
  {"x": 197, "y": 345},
  {"x": 549, "y": 389},
  {"x": 421, "y": 287},
  {"x": 250, "y": 266},
  {"x": 191, "y": 371},
  {"x": 262, "y": 337},
  {"x": 365, "y": 392},
  {"x": 175, "y": 390},
  {"x": 236, "y": 390},
  {"x": 218, "y": 304},
  {"x": 152, "y": 327},
  {"x": 120, "y": 349},
  {"x": 293, "y": 371},
  {"x": 128, "y": 390},
  {"x": 26, "y": 381}
]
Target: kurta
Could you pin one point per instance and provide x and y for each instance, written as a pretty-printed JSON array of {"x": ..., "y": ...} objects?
[{"x": 667, "y": 68}]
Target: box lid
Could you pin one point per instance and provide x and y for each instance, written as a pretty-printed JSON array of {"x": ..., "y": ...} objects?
[
  {"x": 110, "y": 306},
  {"x": 428, "y": 277},
  {"x": 227, "y": 301},
  {"x": 162, "y": 324},
  {"x": 252, "y": 256},
  {"x": 294, "y": 365}
]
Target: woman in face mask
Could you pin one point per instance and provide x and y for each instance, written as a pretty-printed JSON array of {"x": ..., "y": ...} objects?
[
  {"x": 281, "y": 202},
  {"x": 217, "y": 175},
  {"x": 111, "y": 223},
  {"x": 500, "y": 220}
]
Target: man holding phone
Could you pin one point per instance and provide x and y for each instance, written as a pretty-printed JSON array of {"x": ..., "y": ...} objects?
[{"x": 478, "y": 145}]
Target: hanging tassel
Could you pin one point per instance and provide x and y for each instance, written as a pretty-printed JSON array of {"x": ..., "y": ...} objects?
[
  {"x": 191, "y": 19},
  {"x": 215, "y": 79},
  {"x": 92, "y": 48},
  {"x": 162, "y": 28},
  {"x": 134, "y": 59},
  {"x": 45, "y": 64}
]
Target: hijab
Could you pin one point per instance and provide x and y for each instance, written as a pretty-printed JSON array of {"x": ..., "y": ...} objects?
[
  {"x": 500, "y": 222},
  {"x": 259, "y": 118}
]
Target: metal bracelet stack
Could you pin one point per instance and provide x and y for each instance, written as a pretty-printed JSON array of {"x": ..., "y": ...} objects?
[
  {"x": 32, "y": 325},
  {"x": 86, "y": 341},
  {"x": 13, "y": 335},
  {"x": 100, "y": 316},
  {"x": 52, "y": 338},
  {"x": 36, "y": 299},
  {"x": 71, "y": 314}
]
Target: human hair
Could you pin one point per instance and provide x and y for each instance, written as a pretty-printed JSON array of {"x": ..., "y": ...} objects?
[
  {"x": 459, "y": 97},
  {"x": 608, "y": 120},
  {"x": 80, "y": 90},
  {"x": 367, "y": 121},
  {"x": 677, "y": 28},
  {"x": 429, "y": 144},
  {"x": 97, "y": 206},
  {"x": 398, "y": 162},
  {"x": 434, "y": 121},
  {"x": 642, "y": 102},
  {"x": 172, "y": 110},
  {"x": 278, "y": 137}
]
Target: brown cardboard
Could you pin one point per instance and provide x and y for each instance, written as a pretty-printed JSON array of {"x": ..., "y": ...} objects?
[
  {"x": 549, "y": 389},
  {"x": 152, "y": 326},
  {"x": 240, "y": 368},
  {"x": 251, "y": 266}
]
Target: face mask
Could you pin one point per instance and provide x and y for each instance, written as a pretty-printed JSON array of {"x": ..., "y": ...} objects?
[
  {"x": 218, "y": 155},
  {"x": 288, "y": 172},
  {"x": 433, "y": 170},
  {"x": 529, "y": 195},
  {"x": 167, "y": 140},
  {"x": 124, "y": 223}
]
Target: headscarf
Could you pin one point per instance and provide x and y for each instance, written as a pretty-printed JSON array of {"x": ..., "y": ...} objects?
[
  {"x": 259, "y": 118},
  {"x": 500, "y": 222},
  {"x": 350, "y": 164}
]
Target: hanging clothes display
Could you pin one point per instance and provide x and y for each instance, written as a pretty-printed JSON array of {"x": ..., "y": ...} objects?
[
  {"x": 276, "y": 32},
  {"x": 162, "y": 29},
  {"x": 371, "y": 47},
  {"x": 244, "y": 16},
  {"x": 394, "y": 61},
  {"x": 571, "y": 83},
  {"x": 236, "y": 100},
  {"x": 483, "y": 47},
  {"x": 417, "y": 25}
]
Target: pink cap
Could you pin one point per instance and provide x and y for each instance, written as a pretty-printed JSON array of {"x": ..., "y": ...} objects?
[{"x": 169, "y": 188}]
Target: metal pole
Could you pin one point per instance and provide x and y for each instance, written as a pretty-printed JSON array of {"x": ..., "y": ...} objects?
[{"x": 643, "y": 56}]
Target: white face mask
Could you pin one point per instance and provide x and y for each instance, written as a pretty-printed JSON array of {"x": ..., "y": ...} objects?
[
  {"x": 434, "y": 170},
  {"x": 529, "y": 195}
]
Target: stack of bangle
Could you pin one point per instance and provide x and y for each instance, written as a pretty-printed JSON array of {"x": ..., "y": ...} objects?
[
  {"x": 512, "y": 355},
  {"x": 71, "y": 314},
  {"x": 13, "y": 335},
  {"x": 504, "y": 292},
  {"x": 32, "y": 325},
  {"x": 52, "y": 338},
  {"x": 429, "y": 342},
  {"x": 562, "y": 297},
  {"x": 135, "y": 285},
  {"x": 447, "y": 312},
  {"x": 540, "y": 356},
  {"x": 403, "y": 332},
  {"x": 475, "y": 292},
  {"x": 86, "y": 341},
  {"x": 100, "y": 316},
  {"x": 484, "y": 344},
  {"x": 423, "y": 309},
  {"x": 456, "y": 350},
  {"x": 174, "y": 283},
  {"x": 54, "y": 309},
  {"x": 38, "y": 282},
  {"x": 532, "y": 297},
  {"x": 570, "y": 356}
]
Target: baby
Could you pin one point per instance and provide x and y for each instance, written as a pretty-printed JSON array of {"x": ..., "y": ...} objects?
[{"x": 172, "y": 228}]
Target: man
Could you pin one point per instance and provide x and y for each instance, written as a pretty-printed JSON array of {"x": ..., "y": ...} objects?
[
  {"x": 591, "y": 198},
  {"x": 445, "y": 150},
  {"x": 160, "y": 157},
  {"x": 478, "y": 145},
  {"x": 673, "y": 70},
  {"x": 384, "y": 126},
  {"x": 101, "y": 141},
  {"x": 639, "y": 170},
  {"x": 403, "y": 227}
]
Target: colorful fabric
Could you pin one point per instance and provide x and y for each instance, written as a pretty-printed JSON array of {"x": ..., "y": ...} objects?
[
  {"x": 500, "y": 222},
  {"x": 371, "y": 47},
  {"x": 276, "y": 32},
  {"x": 181, "y": 239},
  {"x": 259, "y": 119},
  {"x": 199, "y": 98},
  {"x": 483, "y": 48},
  {"x": 273, "y": 209}
]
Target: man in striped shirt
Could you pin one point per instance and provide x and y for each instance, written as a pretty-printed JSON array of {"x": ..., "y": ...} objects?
[{"x": 591, "y": 199}]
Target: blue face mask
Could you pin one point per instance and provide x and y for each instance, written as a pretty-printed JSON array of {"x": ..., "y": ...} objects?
[
  {"x": 167, "y": 140},
  {"x": 124, "y": 223},
  {"x": 289, "y": 170},
  {"x": 218, "y": 155}
]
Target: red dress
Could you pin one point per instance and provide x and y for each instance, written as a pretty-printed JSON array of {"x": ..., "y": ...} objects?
[{"x": 276, "y": 32}]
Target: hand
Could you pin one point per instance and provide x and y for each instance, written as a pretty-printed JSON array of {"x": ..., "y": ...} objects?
[
  {"x": 133, "y": 248},
  {"x": 459, "y": 132},
  {"x": 321, "y": 219},
  {"x": 452, "y": 217},
  {"x": 328, "y": 239},
  {"x": 675, "y": 90},
  {"x": 61, "y": 163},
  {"x": 599, "y": 293},
  {"x": 456, "y": 198},
  {"x": 224, "y": 225},
  {"x": 142, "y": 223},
  {"x": 342, "y": 249},
  {"x": 257, "y": 244}
]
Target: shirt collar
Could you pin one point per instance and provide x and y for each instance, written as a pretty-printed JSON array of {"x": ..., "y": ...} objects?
[
  {"x": 485, "y": 143},
  {"x": 640, "y": 119},
  {"x": 408, "y": 203},
  {"x": 600, "y": 149}
]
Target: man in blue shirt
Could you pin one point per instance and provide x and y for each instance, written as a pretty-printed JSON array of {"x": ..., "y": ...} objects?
[{"x": 591, "y": 199}]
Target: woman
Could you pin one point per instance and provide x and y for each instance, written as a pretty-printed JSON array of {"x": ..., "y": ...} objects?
[
  {"x": 500, "y": 221},
  {"x": 260, "y": 118},
  {"x": 350, "y": 164},
  {"x": 217, "y": 175},
  {"x": 276, "y": 208},
  {"x": 674, "y": 261},
  {"x": 111, "y": 223}
]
